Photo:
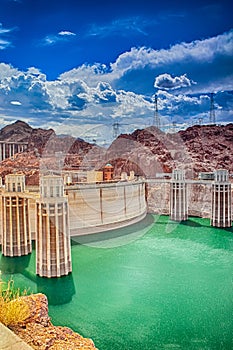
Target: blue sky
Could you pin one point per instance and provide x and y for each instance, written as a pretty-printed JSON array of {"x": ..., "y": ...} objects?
[{"x": 78, "y": 67}]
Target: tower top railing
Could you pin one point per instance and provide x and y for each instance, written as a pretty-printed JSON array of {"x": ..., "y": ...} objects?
[
  {"x": 15, "y": 183},
  {"x": 51, "y": 186},
  {"x": 178, "y": 175},
  {"x": 221, "y": 175},
  {"x": 14, "y": 142}
]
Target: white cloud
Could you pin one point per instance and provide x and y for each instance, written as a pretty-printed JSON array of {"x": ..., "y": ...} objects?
[
  {"x": 197, "y": 51},
  {"x": 198, "y": 59},
  {"x": 69, "y": 102},
  {"x": 7, "y": 71},
  {"x": 99, "y": 95},
  {"x": 65, "y": 32},
  {"x": 16, "y": 103},
  {"x": 52, "y": 39},
  {"x": 34, "y": 70},
  {"x": 4, "y": 43},
  {"x": 4, "y": 30},
  {"x": 91, "y": 73},
  {"x": 167, "y": 82}
]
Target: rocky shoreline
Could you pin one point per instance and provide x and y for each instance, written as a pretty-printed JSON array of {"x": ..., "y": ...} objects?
[{"x": 38, "y": 331}]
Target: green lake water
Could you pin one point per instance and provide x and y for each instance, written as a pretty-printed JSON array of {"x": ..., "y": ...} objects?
[{"x": 154, "y": 285}]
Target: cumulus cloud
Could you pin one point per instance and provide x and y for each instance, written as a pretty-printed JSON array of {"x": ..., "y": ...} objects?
[
  {"x": 98, "y": 94},
  {"x": 197, "y": 51},
  {"x": 91, "y": 73},
  {"x": 208, "y": 62},
  {"x": 27, "y": 88},
  {"x": 167, "y": 82},
  {"x": 35, "y": 71},
  {"x": 78, "y": 94},
  {"x": 68, "y": 102},
  {"x": 7, "y": 71}
]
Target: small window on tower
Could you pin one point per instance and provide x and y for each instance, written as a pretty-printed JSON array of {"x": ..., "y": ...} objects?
[{"x": 57, "y": 191}]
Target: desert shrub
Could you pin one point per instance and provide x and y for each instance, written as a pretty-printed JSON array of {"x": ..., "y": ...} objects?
[{"x": 13, "y": 309}]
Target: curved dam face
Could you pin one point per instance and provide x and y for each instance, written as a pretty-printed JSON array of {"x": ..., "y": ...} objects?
[{"x": 101, "y": 207}]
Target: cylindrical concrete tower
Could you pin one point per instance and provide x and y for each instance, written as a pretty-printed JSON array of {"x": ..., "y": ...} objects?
[
  {"x": 16, "y": 237},
  {"x": 53, "y": 252},
  {"x": 178, "y": 196},
  {"x": 221, "y": 200}
]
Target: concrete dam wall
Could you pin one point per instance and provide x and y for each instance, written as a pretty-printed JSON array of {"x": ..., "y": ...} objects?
[
  {"x": 96, "y": 207},
  {"x": 101, "y": 207}
]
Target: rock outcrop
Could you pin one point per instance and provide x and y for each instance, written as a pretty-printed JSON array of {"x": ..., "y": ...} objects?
[
  {"x": 46, "y": 151},
  {"x": 43, "y": 141},
  {"x": 38, "y": 331},
  {"x": 196, "y": 149},
  {"x": 17, "y": 132}
]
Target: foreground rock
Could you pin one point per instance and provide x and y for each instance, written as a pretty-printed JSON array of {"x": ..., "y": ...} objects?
[{"x": 38, "y": 331}]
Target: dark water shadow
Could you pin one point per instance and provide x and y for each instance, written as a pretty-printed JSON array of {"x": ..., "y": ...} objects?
[
  {"x": 16, "y": 264},
  {"x": 59, "y": 290},
  {"x": 116, "y": 233},
  {"x": 228, "y": 229},
  {"x": 190, "y": 223}
]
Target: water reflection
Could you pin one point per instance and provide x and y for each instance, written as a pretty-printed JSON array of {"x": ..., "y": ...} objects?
[
  {"x": 58, "y": 290},
  {"x": 116, "y": 237},
  {"x": 14, "y": 264}
]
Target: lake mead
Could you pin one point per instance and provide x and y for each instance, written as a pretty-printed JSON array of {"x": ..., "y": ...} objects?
[{"x": 157, "y": 284}]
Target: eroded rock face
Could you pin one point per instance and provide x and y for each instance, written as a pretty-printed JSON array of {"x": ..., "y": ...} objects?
[
  {"x": 17, "y": 132},
  {"x": 43, "y": 141},
  {"x": 196, "y": 149},
  {"x": 38, "y": 331},
  {"x": 147, "y": 151}
]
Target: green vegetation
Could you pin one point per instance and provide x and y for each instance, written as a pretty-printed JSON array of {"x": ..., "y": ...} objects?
[{"x": 13, "y": 309}]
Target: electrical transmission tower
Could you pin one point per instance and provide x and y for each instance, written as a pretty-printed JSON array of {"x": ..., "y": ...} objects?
[
  {"x": 116, "y": 128},
  {"x": 212, "y": 110},
  {"x": 156, "y": 120}
]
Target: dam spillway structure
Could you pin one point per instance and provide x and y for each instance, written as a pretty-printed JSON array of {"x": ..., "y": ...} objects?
[
  {"x": 178, "y": 196},
  {"x": 221, "y": 200},
  {"x": 16, "y": 232},
  {"x": 53, "y": 251}
]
